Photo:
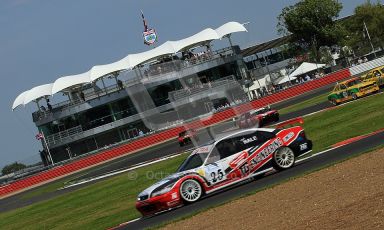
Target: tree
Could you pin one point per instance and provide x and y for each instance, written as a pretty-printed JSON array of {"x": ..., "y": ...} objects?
[
  {"x": 311, "y": 23},
  {"x": 14, "y": 167},
  {"x": 325, "y": 55},
  {"x": 373, "y": 16}
]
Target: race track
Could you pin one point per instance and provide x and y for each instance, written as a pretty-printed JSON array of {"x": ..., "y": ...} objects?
[{"x": 168, "y": 148}]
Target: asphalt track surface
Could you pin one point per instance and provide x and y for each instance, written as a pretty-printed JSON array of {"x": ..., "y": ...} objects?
[
  {"x": 167, "y": 148},
  {"x": 223, "y": 196}
]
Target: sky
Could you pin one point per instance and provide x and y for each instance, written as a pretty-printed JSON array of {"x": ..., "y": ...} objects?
[{"x": 42, "y": 40}]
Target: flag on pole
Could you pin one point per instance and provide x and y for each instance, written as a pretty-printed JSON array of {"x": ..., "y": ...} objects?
[
  {"x": 144, "y": 22},
  {"x": 39, "y": 136},
  {"x": 149, "y": 35}
]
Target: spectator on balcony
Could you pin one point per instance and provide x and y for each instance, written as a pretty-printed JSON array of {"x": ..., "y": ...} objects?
[
  {"x": 365, "y": 59},
  {"x": 120, "y": 84},
  {"x": 49, "y": 106},
  {"x": 82, "y": 95},
  {"x": 158, "y": 70}
]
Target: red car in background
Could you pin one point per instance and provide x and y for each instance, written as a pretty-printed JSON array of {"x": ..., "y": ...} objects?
[
  {"x": 257, "y": 118},
  {"x": 186, "y": 137}
]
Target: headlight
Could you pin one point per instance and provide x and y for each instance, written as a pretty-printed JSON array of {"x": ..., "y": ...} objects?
[
  {"x": 163, "y": 189},
  {"x": 142, "y": 197}
]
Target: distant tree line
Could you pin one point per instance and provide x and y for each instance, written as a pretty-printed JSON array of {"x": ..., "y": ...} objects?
[
  {"x": 14, "y": 167},
  {"x": 314, "y": 27}
]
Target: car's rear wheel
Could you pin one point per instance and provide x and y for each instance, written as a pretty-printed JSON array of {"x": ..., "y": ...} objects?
[
  {"x": 190, "y": 190},
  {"x": 277, "y": 118},
  {"x": 334, "y": 102},
  {"x": 283, "y": 158},
  {"x": 354, "y": 96}
]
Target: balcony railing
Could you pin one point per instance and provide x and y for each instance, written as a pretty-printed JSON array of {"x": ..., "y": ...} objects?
[
  {"x": 183, "y": 93},
  {"x": 63, "y": 135}
]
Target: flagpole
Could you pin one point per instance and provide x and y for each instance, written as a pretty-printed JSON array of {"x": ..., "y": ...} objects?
[
  {"x": 46, "y": 146},
  {"x": 369, "y": 38}
]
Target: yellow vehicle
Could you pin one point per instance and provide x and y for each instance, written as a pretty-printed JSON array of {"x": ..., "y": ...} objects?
[
  {"x": 351, "y": 90},
  {"x": 376, "y": 74}
]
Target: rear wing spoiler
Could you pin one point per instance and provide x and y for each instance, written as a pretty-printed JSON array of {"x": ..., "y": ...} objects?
[{"x": 297, "y": 120}]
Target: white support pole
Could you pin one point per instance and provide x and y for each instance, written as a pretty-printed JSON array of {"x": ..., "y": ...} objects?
[
  {"x": 46, "y": 145},
  {"x": 369, "y": 38}
]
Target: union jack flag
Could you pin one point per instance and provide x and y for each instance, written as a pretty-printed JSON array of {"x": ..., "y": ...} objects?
[{"x": 39, "y": 136}]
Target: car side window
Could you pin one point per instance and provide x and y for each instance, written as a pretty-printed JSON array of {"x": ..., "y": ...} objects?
[
  {"x": 230, "y": 146},
  {"x": 377, "y": 73},
  {"x": 342, "y": 87}
]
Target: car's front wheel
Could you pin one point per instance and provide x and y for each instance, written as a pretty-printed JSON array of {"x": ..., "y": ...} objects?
[
  {"x": 354, "y": 96},
  {"x": 190, "y": 190},
  {"x": 283, "y": 158}
]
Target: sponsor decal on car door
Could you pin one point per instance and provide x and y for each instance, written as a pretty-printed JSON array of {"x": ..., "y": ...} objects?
[{"x": 220, "y": 170}]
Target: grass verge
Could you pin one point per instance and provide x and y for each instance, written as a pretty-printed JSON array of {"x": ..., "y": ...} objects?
[{"x": 110, "y": 202}]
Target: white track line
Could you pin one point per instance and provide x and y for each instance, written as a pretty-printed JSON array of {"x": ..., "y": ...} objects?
[{"x": 121, "y": 171}]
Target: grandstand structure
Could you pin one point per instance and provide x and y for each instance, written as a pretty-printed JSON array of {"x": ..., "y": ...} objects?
[{"x": 139, "y": 94}]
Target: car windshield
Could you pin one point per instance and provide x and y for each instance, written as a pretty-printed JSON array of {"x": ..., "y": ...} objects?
[
  {"x": 193, "y": 161},
  {"x": 354, "y": 82},
  {"x": 260, "y": 111}
]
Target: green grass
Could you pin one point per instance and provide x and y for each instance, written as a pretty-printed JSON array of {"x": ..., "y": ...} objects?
[
  {"x": 112, "y": 201},
  {"x": 51, "y": 187},
  {"x": 304, "y": 104},
  {"x": 357, "y": 118},
  {"x": 98, "y": 206}
]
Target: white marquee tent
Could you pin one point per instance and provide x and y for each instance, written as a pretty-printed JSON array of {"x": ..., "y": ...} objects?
[
  {"x": 33, "y": 94},
  {"x": 305, "y": 67},
  {"x": 19, "y": 100},
  {"x": 69, "y": 81}
]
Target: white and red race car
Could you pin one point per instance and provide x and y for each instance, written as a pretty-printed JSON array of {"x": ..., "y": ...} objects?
[
  {"x": 225, "y": 162},
  {"x": 257, "y": 118}
]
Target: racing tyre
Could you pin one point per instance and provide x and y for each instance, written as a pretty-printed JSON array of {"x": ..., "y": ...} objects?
[
  {"x": 277, "y": 118},
  {"x": 354, "y": 96},
  {"x": 283, "y": 158},
  {"x": 190, "y": 191},
  {"x": 334, "y": 102}
]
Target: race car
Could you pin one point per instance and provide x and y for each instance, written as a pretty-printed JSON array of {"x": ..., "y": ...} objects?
[
  {"x": 376, "y": 75},
  {"x": 257, "y": 118},
  {"x": 231, "y": 159},
  {"x": 351, "y": 90},
  {"x": 186, "y": 137}
]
